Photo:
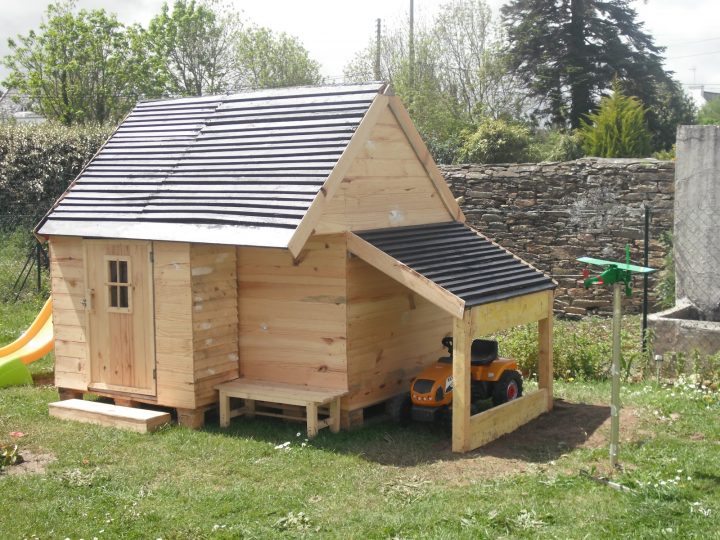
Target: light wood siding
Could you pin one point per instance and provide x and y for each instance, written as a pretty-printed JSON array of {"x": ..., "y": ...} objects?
[
  {"x": 69, "y": 320},
  {"x": 293, "y": 313},
  {"x": 215, "y": 318},
  {"x": 393, "y": 333},
  {"x": 173, "y": 325},
  {"x": 386, "y": 186}
]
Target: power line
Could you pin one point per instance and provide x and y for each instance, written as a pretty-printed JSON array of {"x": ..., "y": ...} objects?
[
  {"x": 693, "y": 55},
  {"x": 691, "y": 42}
]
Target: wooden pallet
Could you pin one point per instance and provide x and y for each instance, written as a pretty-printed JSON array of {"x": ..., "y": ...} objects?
[
  {"x": 104, "y": 414},
  {"x": 252, "y": 391}
]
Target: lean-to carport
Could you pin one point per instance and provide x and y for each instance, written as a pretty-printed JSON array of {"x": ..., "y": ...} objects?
[{"x": 486, "y": 289}]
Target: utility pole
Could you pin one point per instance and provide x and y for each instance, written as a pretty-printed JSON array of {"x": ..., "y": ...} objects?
[
  {"x": 378, "y": 36},
  {"x": 411, "y": 45}
]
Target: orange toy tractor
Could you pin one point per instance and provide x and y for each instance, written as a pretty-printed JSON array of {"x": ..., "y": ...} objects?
[{"x": 431, "y": 392}]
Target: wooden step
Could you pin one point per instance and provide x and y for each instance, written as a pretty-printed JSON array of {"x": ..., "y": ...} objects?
[{"x": 105, "y": 414}]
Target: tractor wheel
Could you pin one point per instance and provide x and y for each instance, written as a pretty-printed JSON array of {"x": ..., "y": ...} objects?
[
  {"x": 399, "y": 409},
  {"x": 509, "y": 387}
]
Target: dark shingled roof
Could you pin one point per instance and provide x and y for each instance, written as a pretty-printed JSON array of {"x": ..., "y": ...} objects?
[
  {"x": 460, "y": 260},
  {"x": 236, "y": 169}
]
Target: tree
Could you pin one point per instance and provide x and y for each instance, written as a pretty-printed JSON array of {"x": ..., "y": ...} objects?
[
  {"x": 81, "y": 68},
  {"x": 194, "y": 42},
  {"x": 618, "y": 129},
  {"x": 568, "y": 51},
  {"x": 267, "y": 60},
  {"x": 496, "y": 141},
  {"x": 709, "y": 113},
  {"x": 459, "y": 74}
]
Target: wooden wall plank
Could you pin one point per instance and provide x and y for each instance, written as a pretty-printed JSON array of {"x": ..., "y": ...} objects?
[
  {"x": 385, "y": 186},
  {"x": 173, "y": 325},
  {"x": 292, "y": 313},
  {"x": 213, "y": 270},
  {"x": 489, "y": 425},
  {"x": 70, "y": 325},
  {"x": 393, "y": 334}
]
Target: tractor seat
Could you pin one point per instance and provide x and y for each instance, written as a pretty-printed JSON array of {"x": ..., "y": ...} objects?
[{"x": 483, "y": 352}]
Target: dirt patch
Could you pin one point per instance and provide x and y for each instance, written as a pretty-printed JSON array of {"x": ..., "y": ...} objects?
[
  {"x": 33, "y": 463},
  {"x": 538, "y": 444}
]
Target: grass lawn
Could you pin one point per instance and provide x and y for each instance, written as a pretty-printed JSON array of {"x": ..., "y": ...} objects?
[{"x": 259, "y": 479}]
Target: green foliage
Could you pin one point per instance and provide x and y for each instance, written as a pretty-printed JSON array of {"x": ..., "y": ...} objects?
[
  {"x": 555, "y": 145},
  {"x": 38, "y": 162},
  {"x": 80, "y": 68},
  {"x": 9, "y": 455},
  {"x": 568, "y": 51},
  {"x": 495, "y": 141},
  {"x": 618, "y": 129},
  {"x": 667, "y": 107},
  {"x": 269, "y": 60},
  {"x": 193, "y": 44},
  {"x": 459, "y": 75},
  {"x": 665, "y": 287},
  {"x": 665, "y": 155},
  {"x": 709, "y": 113}
]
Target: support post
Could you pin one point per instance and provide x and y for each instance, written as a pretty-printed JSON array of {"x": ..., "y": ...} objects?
[
  {"x": 545, "y": 357},
  {"x": 615, "y": 372},
  {"x": 462, "y": 339}
]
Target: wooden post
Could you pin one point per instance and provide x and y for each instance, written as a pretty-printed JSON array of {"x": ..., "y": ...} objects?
[
  {"x": 545, "y": 359},
  {"x": 335, "y": 415},
  {"x": 462, "y": 339},
  {"x": 312, "y": 420},
  {"x": 224, "y": 410},
  {"x": 615, "y": 372}
]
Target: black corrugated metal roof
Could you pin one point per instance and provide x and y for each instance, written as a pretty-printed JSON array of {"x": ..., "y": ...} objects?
[
  {"x": 240, "y": 169},
  {"x": 460, "y": 260}
]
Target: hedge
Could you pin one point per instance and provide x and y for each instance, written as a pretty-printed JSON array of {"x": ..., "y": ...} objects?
[{"x": 37, "y": 163}]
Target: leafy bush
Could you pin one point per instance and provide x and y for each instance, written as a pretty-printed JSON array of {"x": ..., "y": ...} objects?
[
  {"x": 709, "y": 114},
  {"x": 556, "y": 145},
  {"x": 37, "y": 162},
  {"x": 665, "y": 155},
  {"x": 618, "y": 129},
  {"x": 495, "y": 141},
  {"x": 665, "y": 288}
]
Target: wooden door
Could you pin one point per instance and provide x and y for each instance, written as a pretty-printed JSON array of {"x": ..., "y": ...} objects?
[{"x": 120, "y": 316}]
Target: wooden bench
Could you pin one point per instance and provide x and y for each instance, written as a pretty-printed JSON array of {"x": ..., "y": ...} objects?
[{"x": 251, "y": 390}]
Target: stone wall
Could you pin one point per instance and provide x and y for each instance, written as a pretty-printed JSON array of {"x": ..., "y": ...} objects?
[{"x": 551, "y": 213}]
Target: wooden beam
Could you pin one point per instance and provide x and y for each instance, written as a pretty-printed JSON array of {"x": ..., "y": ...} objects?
[
  {"x": 496, "y": 422},
  {"x": 489, "y": 318},
  {"x": 545, "y": 357},
  {"x": 425, "y": 158},
  {"x": 333, "y": 181},
  {"x": 462, "y": 395},
  {"x": 407, "y": 276}
]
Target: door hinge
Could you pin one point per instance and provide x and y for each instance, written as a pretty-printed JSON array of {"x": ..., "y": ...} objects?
[
  {"x": 152, "y": 256},
  {"x": 155, "y": 374}
]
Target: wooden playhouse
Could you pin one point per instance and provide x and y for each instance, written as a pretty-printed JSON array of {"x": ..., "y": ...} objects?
[{"x": 299, "y": 241}]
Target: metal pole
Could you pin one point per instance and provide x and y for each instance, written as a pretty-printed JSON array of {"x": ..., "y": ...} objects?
[
  {"x": 615, "y": 372},
  {"x": 411, "y": 45},
  {"x": 38, "y": 261},
  {"x": 646, "y": 277},
  {"x": 378, "y": 37}
]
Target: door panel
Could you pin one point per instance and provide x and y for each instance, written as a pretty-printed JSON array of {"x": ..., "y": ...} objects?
[{"x": 120, "y": 315}]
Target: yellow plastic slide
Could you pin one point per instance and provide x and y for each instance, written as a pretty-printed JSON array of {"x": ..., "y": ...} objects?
[{"x": 37, "y": 340}]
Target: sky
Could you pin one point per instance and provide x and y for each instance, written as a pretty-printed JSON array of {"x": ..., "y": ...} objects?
[{"x": 334, "y": 30}]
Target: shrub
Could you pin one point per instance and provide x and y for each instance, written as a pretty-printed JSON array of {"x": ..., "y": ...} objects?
[
  {"x": 556, "y": 145},
  {"x": 618, "y": 129},
  {"x": 709, "y": 114},
  {"x": 37, "y": 162},
  {"x": 495, "y": 141},
  {"x": 665, "y": 288}
]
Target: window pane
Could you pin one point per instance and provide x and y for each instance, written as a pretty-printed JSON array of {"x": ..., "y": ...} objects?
[
  {"x": 123, "y": 272},
  {"x": 113, "y": 271},
  {"x": 123, "y": 297},
  {"x": 113, "y": 296}
]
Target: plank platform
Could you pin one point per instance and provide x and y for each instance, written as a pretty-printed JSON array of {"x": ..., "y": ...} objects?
[
  {"x": 251, "y": 390},
  {"x": 105, "y": 414}
]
